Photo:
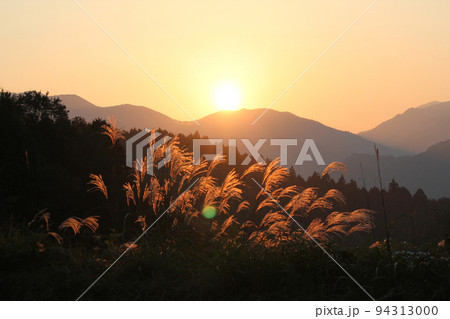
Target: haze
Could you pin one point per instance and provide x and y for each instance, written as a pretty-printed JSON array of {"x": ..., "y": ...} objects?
[{"x": 395, "y": 57}]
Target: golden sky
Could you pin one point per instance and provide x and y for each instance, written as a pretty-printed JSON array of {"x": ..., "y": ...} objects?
[{"x": 397, "y": 56}]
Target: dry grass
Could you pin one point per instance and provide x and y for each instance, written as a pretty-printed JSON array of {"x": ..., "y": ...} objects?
[
  {"x": 245, "y": 213},
  {"x": 112, "y": 131},
  {"x": 43, "y": 220},
  {"x": 43, "y": 216},
  {"x": 98, "y": 184},
  {"x": 76, "y": 224},
  {"x": 335, "y": 167},
  {"x": 233, "y": 198}
]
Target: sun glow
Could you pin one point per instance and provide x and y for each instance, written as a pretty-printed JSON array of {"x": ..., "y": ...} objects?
[{"x": 227, "y": 96}]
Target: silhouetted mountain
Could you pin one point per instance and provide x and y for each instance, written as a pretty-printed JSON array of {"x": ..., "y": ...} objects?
[
  {"x": 414, "y": 130},
  {"x": 75, "y": 102},
  {"x": 130, "y": 116},
  {"x": 429, "y": 170},
  {"x": 334, "y": 145}
]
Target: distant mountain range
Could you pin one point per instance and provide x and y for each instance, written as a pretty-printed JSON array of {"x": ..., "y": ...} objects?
[
  {"x": 429, "y": 170},
  {"x": 416, "y": 171},
  {"x": 414, "y": 130},
  {"x": 334, "y": 145}
]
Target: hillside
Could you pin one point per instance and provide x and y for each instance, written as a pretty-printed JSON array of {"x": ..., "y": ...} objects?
[
  {"x": 414, "y": 130},
  {"x": 334, "y": 145},
  {"x": 429, "y": 170},
  {"x": 130, "y": 116}
]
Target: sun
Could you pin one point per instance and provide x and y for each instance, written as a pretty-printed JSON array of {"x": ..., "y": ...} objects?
[{"x": 227, "y": 96}]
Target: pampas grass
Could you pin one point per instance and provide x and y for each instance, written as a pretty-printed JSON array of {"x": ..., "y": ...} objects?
[
  {"x": 76, "y": 223},
  {"x": 112, "y": 131},
  {"x": 256, "y": 215},
  {"x": 98, "y": 184},
  {"x": 278, "y": 228},
  {"x": 335, "y": 167}
]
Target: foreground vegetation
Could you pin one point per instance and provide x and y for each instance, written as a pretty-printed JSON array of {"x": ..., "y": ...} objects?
[
  {"x": 189, "y": 272},
  {"x": 70, "y": 207}
]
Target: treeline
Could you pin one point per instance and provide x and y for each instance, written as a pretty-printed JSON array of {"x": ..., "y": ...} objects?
[
  {"x": 47, "y": 158},
  {"x": 412, "y": 218}
]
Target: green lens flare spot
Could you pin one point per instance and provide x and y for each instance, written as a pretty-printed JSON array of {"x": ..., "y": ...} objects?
[{"x": 209, "y": 212}]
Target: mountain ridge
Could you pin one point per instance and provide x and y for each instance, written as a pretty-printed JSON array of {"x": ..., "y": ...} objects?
[
  {"x": 415, "y": 129},
  {"x": 429, "y": 170},
  {"x": 333, "y": 144}
]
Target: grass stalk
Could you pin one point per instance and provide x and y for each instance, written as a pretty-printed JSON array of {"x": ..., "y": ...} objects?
[{"x": 388, "y": 243}]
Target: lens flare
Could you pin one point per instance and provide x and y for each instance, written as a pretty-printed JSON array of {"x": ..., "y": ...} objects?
[{"x": 209, "y": 212}]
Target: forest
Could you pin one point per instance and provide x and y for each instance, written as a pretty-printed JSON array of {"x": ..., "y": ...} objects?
[{"x": 69, "y": 207}]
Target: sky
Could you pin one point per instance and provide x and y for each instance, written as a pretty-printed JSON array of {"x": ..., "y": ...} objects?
[{"x": 395, "y": 57}]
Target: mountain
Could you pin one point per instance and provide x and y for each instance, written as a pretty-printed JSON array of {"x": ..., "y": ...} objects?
[
  {"x": 74, "y": 102},
  {"x": 429, "y": 170},
  {"x": 130, "y": 116},
  {"x": 334, "y": 145},
  {"x": 414, "y": 130}
]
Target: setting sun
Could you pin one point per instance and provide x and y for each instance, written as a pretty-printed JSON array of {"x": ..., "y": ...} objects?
[{"x": 227, "y": 97}]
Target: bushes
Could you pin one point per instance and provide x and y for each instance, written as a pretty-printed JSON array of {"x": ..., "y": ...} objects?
[{"x": 186, "y": 271}]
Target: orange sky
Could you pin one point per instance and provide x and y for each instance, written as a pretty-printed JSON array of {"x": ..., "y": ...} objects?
[{"x": 395, "y": 57}]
